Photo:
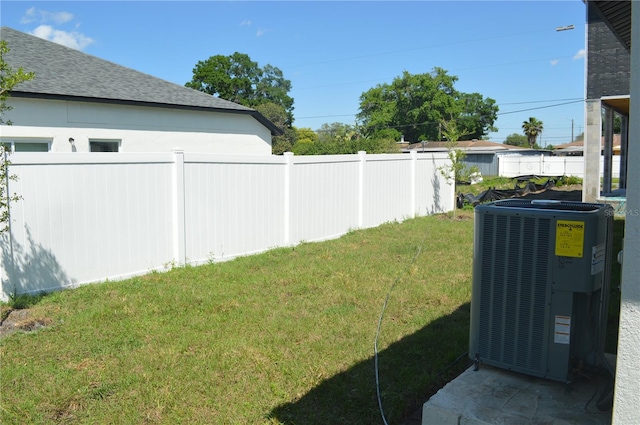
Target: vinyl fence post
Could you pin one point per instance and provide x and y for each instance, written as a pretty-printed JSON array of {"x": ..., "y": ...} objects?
[
  {"x": 179, "y": 237},
  {"x": 288, "y": 165},
  {"x": 8, "y": 239},
  {"x": 414, "y": 164},
  {"x": 361, "y": 165}
]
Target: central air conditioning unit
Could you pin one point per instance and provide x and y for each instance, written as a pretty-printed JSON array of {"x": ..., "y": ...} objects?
[{"x": 541, "y": 274}]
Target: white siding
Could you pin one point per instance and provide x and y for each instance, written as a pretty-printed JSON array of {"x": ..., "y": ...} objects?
[{"x": 139, "y": 128}]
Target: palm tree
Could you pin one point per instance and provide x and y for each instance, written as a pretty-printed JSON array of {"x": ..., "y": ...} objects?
[{"x": 532, "y": 129}]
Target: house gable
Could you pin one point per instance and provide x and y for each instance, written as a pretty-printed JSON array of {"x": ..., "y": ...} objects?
[{"x": 63, "y": 73}]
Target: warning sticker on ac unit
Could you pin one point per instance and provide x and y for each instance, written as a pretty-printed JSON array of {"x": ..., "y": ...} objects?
[
  {"x": 562, "y": 330},
  {"x": 569, "y": 238}
]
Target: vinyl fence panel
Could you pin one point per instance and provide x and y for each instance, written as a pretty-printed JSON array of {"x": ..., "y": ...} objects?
[
  {"x": 514, "y": 166},
  {"x": 89, "y": 217},
  {"x": 84, "y": 219},
  {"x": 234, "y": 205},
  {"x": 324, "y": 193}
]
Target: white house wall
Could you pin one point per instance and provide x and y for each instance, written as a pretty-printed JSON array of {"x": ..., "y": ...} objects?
[
  {"x": 627, "y": 383},
  {"x": 138, "y": 128}
]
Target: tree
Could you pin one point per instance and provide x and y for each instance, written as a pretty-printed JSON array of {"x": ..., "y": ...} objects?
[
  {"x": 8, "y": 80},
  {"x": 239, "y": 79},
  {"x": 337, "y": 131},
  {"x": 279, "y": 117},
  {"x": 456, "y": 170},
  {"x": 532, "y": 129},
  {"x": 274, "y": 88},
  {"x": 515, "y": 139},
  {"x": 305, "y": 135},
  {"x": 415, "y": 105},
  {"x": 478, "y": 115},
  {"x": 338, "y": 139}
]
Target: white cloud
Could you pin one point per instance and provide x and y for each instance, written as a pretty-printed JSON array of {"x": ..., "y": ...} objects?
[
  {"x": 74, "y": 39},
  {"x": 245, "y": 23},
  {"x": 261, "y": 32},
  {"x": 580, "y": 55},
  {"x": 42, "y": 16},
  {"x": 29, "y": 16},
  {"x": 555, "y": 62}
]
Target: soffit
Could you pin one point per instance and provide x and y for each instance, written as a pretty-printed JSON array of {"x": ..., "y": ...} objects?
[{"x": 617, "y": 15}]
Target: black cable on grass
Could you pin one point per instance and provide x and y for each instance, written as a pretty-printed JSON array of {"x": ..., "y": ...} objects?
[{"x": 375, "y": 343}]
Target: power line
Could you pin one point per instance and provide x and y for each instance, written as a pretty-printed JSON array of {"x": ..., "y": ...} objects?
[
  {"x": 413, "y": 49},
  {"x": 453, "y": 70},
  {"x": 572, "y": 100},
  {"x": 540, "y": 107},
  {"x": 327, "y": 116},
  {"x": 542, "y": 101}
]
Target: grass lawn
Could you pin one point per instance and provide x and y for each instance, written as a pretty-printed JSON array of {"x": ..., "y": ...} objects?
[{"x": 285, "y": 337}]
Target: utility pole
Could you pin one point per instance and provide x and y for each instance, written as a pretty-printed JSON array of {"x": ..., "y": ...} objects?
[
  {"x": 571, "y": 130},
  {"x": 565, "y": 118}
]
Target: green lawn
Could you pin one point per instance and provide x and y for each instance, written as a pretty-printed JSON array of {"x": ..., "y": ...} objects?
[{"x": 285, "y": 337}]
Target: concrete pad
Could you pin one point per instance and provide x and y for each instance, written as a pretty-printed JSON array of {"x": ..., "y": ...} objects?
[{"x": 493, "y": 396}]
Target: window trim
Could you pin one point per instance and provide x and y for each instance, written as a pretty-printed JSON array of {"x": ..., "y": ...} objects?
[
  {"x": 12, "y": 141},
  {"x": 116, "y": 141}
]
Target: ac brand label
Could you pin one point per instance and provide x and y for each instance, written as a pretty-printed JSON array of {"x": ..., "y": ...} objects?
[
  {"x": 569, "y": 238},
  {"x": 571, "y": 225}
]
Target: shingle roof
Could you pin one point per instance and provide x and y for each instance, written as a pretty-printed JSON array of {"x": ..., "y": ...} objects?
[
  {"x": 62, "y": 72},
  {"x": 464, "y": 144},
  {"x": 579, "y": 144}
]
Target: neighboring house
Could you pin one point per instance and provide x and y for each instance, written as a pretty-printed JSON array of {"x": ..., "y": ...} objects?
[
  {"x": 465, "y": 145},
  {"x": 81, "y": 103},
  {"x": 479, "y": 153},
  {"x": 577, "y": 148}
]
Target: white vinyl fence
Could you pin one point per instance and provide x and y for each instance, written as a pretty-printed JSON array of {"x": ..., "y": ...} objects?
[
  {"x": 87, "y": 217},
  {"x": 514, "y": 166}
]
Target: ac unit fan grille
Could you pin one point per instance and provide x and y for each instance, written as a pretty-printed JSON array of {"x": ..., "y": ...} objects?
[{"x": 514, "y": 298}]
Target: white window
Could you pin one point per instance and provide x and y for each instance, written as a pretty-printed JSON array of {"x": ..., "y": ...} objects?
[
  {"x": 104, "y": 145},
  {"x": 27, "y": 145}
]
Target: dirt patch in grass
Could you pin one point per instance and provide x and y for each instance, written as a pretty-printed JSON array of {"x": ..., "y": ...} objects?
[{"x": 21, "y": 320}]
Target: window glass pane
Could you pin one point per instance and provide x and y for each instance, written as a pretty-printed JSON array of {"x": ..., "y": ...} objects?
[
  {"x": 102, "y": 146},
  {"x": 31, "y": 147}
]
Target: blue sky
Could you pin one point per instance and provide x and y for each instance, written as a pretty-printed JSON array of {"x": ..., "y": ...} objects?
[{"x": 333, "y": 51}]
